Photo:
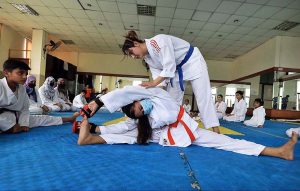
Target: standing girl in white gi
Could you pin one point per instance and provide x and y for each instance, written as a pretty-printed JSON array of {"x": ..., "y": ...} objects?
[
  {"x": 49, "y": 95},
  {"x": 259, "y": 113},
  {"x": 160, "y": 119},
  {"x": 175, "y": 61},
  {"x": 14, "y": 102},
  {"x": 35, "y": 103},
  {"x": 239, "y": 111},
  {"x": 220, "y": 106}
]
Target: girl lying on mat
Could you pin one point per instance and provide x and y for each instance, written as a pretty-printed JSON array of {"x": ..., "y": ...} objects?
[{"x": 156, "y": 117}]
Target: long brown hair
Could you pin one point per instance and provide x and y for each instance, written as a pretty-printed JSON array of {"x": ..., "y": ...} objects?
[
  {"x": 130, "y": 38},
  {"x": 144, "y": 127}
]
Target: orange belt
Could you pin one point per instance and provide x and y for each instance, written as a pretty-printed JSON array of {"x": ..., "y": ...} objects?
[{"x": 174, "y": 125}]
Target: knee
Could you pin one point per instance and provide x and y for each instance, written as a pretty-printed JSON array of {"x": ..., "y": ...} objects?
[{"x": 84, "y": 140}]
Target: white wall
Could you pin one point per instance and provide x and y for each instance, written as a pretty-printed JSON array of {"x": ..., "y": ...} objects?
[
  {"x": 289, "y": 52},
  {"x": 9, "y": 39}
]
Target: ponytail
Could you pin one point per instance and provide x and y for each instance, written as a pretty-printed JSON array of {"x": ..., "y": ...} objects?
[
  {"x": 130, "y": 38},
  {"x": 144, "y": 130}
]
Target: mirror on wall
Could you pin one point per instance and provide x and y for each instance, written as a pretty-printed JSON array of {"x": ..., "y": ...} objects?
[
  {"x": 286, "y": 91},
  {"x": 97, "y": 83}
]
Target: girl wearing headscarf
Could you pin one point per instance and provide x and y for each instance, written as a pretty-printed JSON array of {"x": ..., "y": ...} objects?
[
  {"x": 49, "y": 95},
  {"x": 35, "y": 103}
]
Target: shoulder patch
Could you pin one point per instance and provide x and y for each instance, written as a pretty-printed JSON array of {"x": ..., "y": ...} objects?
[{"x": 155, "y": 45}]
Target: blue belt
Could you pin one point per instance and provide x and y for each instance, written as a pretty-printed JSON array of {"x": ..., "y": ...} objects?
[{"x": 179, "y": 67}]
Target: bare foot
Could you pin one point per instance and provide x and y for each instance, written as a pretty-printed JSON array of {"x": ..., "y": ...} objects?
[
  {"x": 287, "y": 150},
  {"x": 84, "y": 132}
]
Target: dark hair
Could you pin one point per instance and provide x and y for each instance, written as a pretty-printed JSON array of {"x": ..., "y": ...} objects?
[
  {"x": 260, "y": 101},
  {"x": 144, "y": 127},
  {"x": 130, "y": 38},
  {"x": 83, "y": 91},
  {"x": 240, "y": 92},
  {"x": 12, "y": 64},
  {"x": 221, "y": 95}
]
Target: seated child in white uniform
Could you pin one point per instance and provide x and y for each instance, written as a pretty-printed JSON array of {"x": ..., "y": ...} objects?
[
  {"x": 220, "y": 106},
  {"x": 239, "y": 111},
  {"x": 35, "y": 103},
  {"x": 14, "y": 102},
  {"x": 157, "y": 117},
  {"x": 79, "y": 100},
  {"x": 63, "y": 95},
  {"x": 187, "y": 106},
  {"x": 259, "y": 113},
  {"x": 49, "y": 96}
]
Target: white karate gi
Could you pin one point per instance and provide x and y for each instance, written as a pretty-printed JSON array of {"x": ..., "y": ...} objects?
[
  {"x": 64, "y": 100},
  {"x": 187, "y": 108},
  {"x": 258, "y": 117},
  {"x": 79, "y": 101},
  {"x": 48, "y": 95},
  {"x": 239, "y": 111},
  {"x": 165, "y": 53},
  {"x": 165, "y": 112},
  {"x": 35, "y": 108},
  {"x": 221, "y": 109},
  {"x": 18, "y": 103}
]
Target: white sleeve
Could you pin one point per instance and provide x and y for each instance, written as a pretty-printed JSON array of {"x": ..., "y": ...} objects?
[
  {"x": 120, "y": 97},
  {"x": 119, "y": 128},
  {"x": 24, "y": 113},
  {"x": 243, "y": 109},
  {"x": 155, "y": 73},
  {"x": 56, "y": 99},
  {"x": 39, "y": 101},
  {"x": 43, "y": 97},
  {"x": 223, "y": 107},
  {"x": 261, "y": 117},
  {"x": 167, "y": 58}
]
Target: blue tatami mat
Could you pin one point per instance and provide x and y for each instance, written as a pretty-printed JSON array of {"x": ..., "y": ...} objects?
[
  {"x": 222, "y": 170},
  {"x": 48, "y": 158}
]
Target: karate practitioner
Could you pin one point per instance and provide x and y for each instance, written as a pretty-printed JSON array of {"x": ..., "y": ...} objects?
[
  {"x": 14, "y": 102},
  {"x": 157, "y": 117},
  {"x": 187, "y": 106},
  {"x": 174, "y": 61},
  {"x": 220, "y": 106},
  {"x": 259, "y": 113},
  {"x": 79, "y": 100},
  {"x": 35, "y": 103},
  {"x": 239, "y": 111},
  {"x": 49, "y": 96},
  {"x": 63, "y": 95}
]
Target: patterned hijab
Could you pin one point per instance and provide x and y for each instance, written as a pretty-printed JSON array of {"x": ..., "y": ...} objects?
[
  {"x": 49, "y": 90},
  {"x": 30, "y": 91}
]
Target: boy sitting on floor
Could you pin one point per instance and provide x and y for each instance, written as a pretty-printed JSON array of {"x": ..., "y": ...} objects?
[
  {"x": 14, "y": 103},
  {"x": 258, "y": 118}
]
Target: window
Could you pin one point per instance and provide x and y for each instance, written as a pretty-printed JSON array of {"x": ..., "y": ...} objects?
[
  {"x": 247, "y": 96},
  {"x": 230, "y": 96},
  {"x": 214, "y": 93}
]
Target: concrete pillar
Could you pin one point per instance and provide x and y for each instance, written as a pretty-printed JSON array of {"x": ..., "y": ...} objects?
[{"x": 38, "y": 59}]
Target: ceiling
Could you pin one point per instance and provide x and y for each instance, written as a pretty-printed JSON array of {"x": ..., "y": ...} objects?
[{"x": 207, "y": 24}]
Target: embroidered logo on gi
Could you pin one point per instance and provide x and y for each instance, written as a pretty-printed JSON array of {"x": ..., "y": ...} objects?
[{"x": 155, "y": 45}]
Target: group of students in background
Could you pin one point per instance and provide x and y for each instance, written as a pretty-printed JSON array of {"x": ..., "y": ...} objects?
[
  {"x": 52, "y": 97},
  {"x": 239, "y": 111}
]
